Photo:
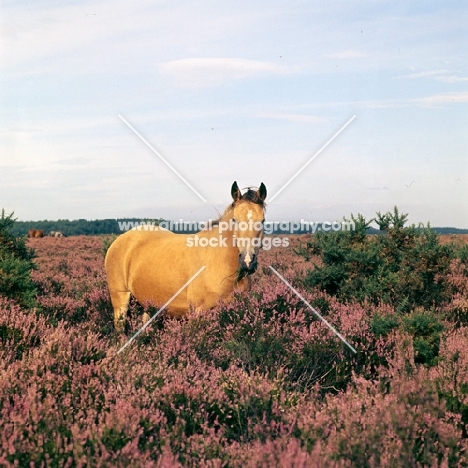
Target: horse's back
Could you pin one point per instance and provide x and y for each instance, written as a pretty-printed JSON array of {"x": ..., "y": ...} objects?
[
  {"x": 125, "y": 245},
  {"x": 149, "y": 264}
]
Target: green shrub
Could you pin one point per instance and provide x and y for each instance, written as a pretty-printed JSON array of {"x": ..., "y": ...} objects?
[
  {"x": 405, "y": 266},
  {"x": 106, "y": 243},
  {"x": 426, "y": 328},
  {"x": 15, "y": 265},
  {"x": 382, "y": 325}
]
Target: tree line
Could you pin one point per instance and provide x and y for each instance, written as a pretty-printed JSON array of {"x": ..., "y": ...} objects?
[
  {"x": 86, "y": 227},
  {"x": 75, "y": 227}
]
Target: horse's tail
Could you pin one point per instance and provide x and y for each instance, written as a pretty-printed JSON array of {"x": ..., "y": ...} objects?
[{"x": 116, "y": 271}]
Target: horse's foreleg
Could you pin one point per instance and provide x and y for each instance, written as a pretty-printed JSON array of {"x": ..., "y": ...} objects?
[
  {"x": 120, "y": 302},
  {"x": 245, "y": 284}
]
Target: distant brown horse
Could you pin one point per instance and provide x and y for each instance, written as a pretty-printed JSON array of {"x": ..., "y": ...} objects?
[
  {"x": 36, "y": 233},
  {"x": 154, "y": 264}
]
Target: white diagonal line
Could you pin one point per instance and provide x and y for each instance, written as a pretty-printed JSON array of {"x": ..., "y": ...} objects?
[
  {"x": 159, "y": 156},
  {"x": 331, "y": 327},
  {"x": 312, "y": 158},
  {"x": 160, "y": 310}
]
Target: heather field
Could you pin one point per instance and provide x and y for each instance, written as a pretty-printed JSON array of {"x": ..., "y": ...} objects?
[{"x": 257, "y": 382}]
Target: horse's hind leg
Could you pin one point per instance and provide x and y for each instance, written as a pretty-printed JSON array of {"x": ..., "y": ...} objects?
[
  {"x": 146, "y": 318},
  {"x": 120, "y": 302}
]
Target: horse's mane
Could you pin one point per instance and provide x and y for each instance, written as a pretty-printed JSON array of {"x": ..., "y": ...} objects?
[
  {"x": 252, "y": 196},
  {"x": 249, "y": 196}
]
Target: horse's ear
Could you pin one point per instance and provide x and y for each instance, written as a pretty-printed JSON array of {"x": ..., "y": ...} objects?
[
  {"x": 262, "y": 192},
  {"x": 235, "y": 192}
]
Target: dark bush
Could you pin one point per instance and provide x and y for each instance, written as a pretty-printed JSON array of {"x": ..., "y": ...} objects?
[
  {"x": 426, "y": 328},
  {"x": 404, "y": 266},
  {"x": 15, "y": 265}
]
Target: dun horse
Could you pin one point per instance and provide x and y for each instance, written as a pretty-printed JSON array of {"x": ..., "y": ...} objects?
[{"x": 154, "y": 265}]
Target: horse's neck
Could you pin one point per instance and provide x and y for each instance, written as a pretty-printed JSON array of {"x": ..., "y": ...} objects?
[
  {"x": 227, "y": 234},
  {"x": 225, "y": 238},
  {"x": 224, "y": 231}
]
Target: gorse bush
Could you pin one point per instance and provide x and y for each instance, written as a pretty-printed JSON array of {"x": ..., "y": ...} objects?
[
  {"x": 426, "y": 328},
  {"x": 15, "y": 265},
  {"x": 404, "y": 267}
]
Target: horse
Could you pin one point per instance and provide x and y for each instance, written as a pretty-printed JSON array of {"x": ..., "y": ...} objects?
[
  {"x": 56, "y": 234},
  {"x": 152, "y": 265},
  {"x": 36, "y": 233}
]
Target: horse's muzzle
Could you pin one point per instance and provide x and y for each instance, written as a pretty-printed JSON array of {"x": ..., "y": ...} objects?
[{"x": 248, "y": 263}]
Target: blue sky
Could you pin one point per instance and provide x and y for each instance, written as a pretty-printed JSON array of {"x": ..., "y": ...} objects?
[{"x": 234, "y": 91}]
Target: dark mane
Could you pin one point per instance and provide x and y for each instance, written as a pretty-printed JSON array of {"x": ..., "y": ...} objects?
[{"x": 250, "y": 196}]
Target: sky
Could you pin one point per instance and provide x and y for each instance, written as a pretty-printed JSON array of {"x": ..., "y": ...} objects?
[{"x": 234, "y": 91}]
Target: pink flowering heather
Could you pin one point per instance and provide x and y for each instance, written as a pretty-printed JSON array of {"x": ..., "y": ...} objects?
[{"x": 259, "y": 381}]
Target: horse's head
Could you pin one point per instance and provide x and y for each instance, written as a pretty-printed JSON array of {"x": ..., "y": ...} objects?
[{"x": 248, "y": 213}]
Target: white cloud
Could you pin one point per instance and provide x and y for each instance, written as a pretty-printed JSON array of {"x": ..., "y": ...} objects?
[
  {"x": 445, "y": 98},
  {"x": 442, "y": 75},
  {"x": 202, "y": 72},
  {"x": 426, "y": 101},
  {"x": 423, "y": 74},
  {"x": 109, "y": 36},
  {"x": 452, "y": 79}
]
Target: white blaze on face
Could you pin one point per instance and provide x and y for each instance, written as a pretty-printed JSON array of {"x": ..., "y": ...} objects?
[{"x": 248, "y": 258}]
